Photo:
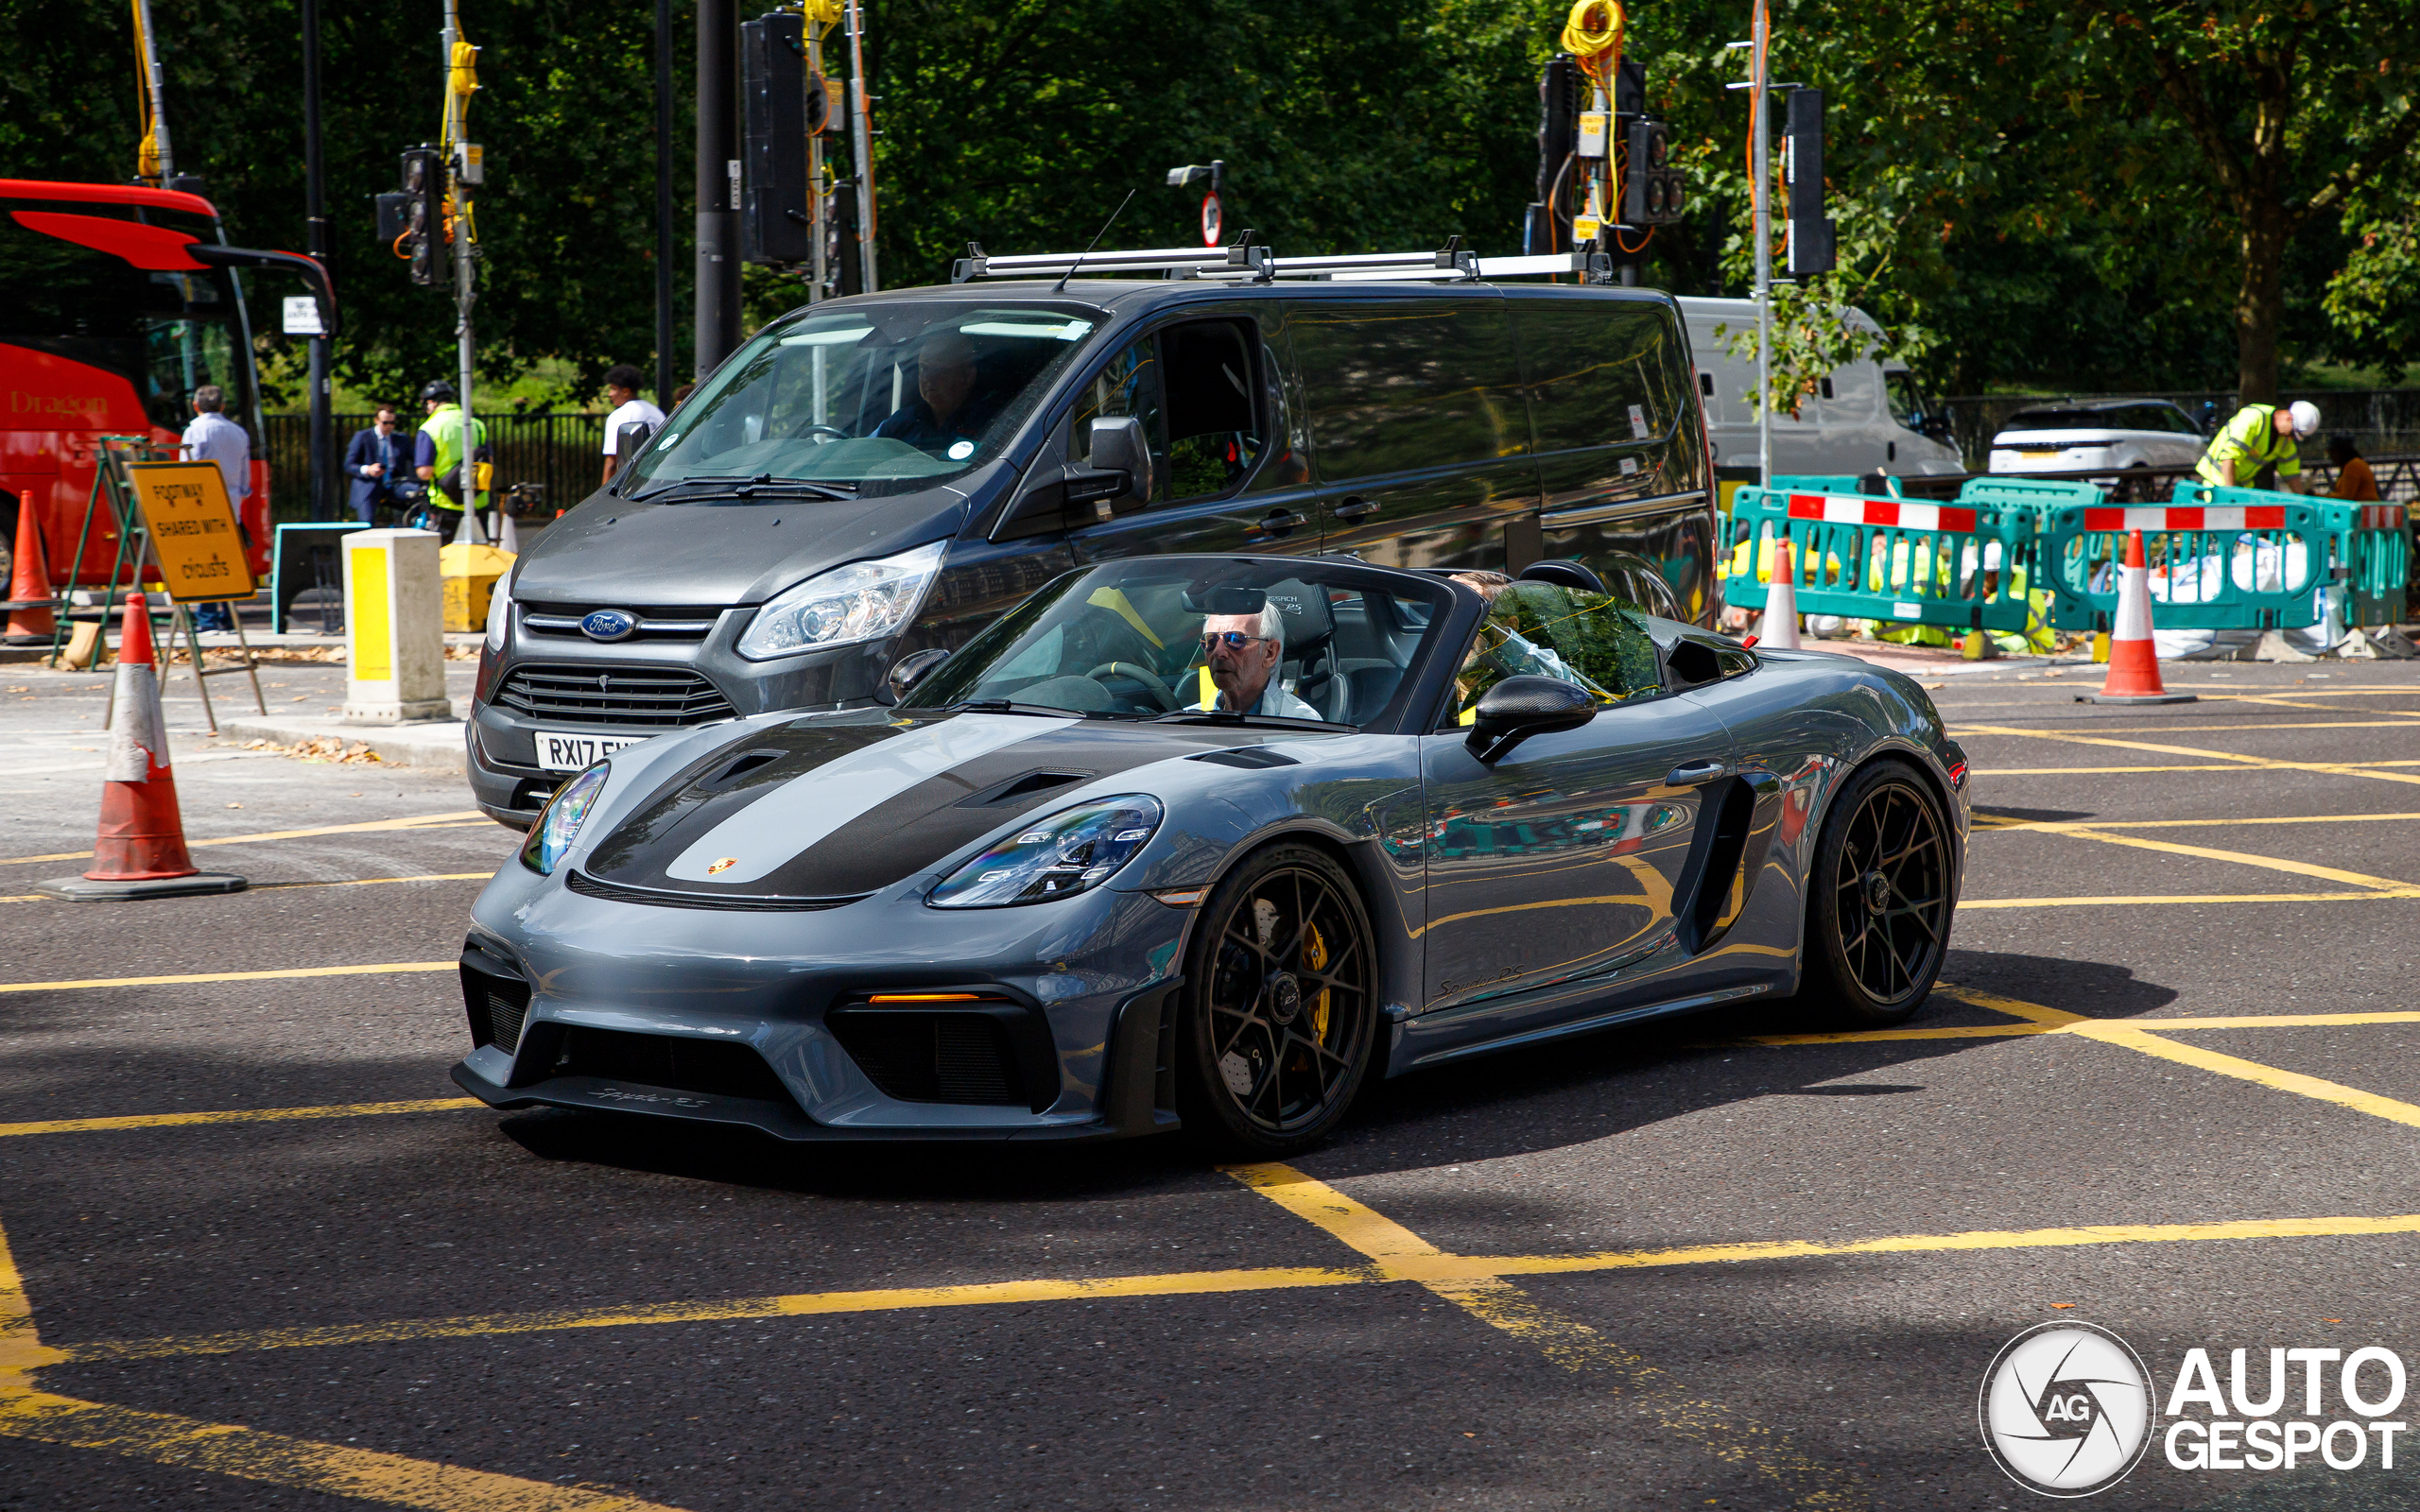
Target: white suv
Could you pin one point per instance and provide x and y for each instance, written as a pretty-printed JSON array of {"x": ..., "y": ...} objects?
[{"x": 2112, "y": 434}]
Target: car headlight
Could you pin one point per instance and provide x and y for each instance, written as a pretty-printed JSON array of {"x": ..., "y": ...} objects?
[
  {"x": 559, "y": 821},
  {"x": 863, "y": 601},
  {"x": 499, "y": 611},
  {"x": 1069, "y": 852}
]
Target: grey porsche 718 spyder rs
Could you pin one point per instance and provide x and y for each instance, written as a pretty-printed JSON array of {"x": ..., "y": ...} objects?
[{"x": 1206, "y": 840}]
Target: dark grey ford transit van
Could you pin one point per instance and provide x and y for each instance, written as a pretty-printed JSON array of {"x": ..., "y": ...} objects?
[{"x": 874, "y": 475}]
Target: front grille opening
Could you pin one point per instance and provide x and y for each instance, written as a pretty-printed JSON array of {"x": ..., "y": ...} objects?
[
  {"x": 496, "y": 1005},
  {"x": 714, "y": 1067},
  {"x": 647, "y": 698},
  {"x": 964, "y": 1059}
]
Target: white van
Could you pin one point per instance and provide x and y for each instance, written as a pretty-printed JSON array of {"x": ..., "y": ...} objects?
[{"x": 1867, "y": 417}]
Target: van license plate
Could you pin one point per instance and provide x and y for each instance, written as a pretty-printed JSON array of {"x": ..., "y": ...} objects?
[{"x": 571, "y": 754}]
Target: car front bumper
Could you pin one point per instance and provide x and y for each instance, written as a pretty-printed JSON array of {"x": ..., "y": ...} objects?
[{"x": 764, "y": 1020}]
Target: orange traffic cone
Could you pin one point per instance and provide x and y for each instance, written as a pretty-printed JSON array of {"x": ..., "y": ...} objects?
[
  {"x": 29, "y": 596},
  {"x": 1778, "y": 629},
  {"x": 2133, "y": 661},
  {"x": 141, "y": 850}
]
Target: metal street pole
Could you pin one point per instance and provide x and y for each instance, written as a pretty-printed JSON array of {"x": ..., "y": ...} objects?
[
  {"x": 457, "y": 109},
  {"x": 818, "y": 204},
  {"x": 663, "y": 169},
  {"x": 315, "y": 232},
  {"x": 1760, "y": 34},
  {"x": 155, "y": 92},
  {"x": 718, "y": 311},
  {"x": 863, "y": 125}
]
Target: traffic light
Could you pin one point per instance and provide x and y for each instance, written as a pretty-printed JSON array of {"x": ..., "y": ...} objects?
[
  {"x": 1652, "y": 190},
  {"x": 1810, "y": 230},
  {"x": 413, "y": 222},
  {"x": 1549, "y": 226},
  {"x": 776, "y": 224}
]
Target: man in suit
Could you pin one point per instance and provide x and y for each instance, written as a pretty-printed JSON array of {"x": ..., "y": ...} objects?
[{"x": 374, "y": 462}]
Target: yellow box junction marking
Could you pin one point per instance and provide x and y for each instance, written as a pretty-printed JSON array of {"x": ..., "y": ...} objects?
[
  {"x": 460, "y": 819},
  {"x": 235, "y": 1115},
  {"x": 2370, "y": 769},
  {"x": 93, "y": 982}
]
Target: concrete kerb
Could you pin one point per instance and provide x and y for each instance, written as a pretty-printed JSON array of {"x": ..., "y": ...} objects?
[{"x": 431, "y": 745}]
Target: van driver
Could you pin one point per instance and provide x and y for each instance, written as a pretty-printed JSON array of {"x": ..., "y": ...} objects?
[{"x": 939, "y": 420}]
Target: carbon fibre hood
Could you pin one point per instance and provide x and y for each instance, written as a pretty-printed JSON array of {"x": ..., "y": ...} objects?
[{"x": 831, "y": 809}]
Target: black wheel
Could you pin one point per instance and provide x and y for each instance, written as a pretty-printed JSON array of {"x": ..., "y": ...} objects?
[
  {"x": 1879, "y": 897},
  {"x": 1281, "y": 1006}
]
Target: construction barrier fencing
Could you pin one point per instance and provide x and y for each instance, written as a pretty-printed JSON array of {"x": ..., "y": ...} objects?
[
  {"x": 1880, "y": 559},
  {"x": 2219, "y": 559}
]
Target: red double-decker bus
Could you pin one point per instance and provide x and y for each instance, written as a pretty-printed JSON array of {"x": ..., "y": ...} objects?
[{"x": 116, "y": 302}]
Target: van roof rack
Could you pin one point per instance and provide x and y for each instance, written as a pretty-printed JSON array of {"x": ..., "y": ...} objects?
[{"x": 1246, "y": 260}]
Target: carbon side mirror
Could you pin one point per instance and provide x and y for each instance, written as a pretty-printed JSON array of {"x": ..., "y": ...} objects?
[
  {"x": 1518, "y": 707},
  {"x": 911, "y": 669}
]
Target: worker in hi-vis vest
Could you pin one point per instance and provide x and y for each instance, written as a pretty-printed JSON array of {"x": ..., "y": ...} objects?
[
  {"x": 437, "y": 459},
  {"x": 2259, "y": 436}
]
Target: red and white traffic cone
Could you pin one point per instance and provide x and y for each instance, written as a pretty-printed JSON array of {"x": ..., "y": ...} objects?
[
  {"x": 1778, "y": 629},
  {"x": 140, "y": 851},
  {"x": 29, "y": 596},
  {"x": 2133, "y": 660}
]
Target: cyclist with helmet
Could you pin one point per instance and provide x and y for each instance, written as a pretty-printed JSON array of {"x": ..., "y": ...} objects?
[
  {"x": 2259, "y": 435},
  {"x": 438, "y": 455}
]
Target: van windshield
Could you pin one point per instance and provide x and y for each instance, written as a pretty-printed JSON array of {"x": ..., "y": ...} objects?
[{"x": 878, "y": 389}]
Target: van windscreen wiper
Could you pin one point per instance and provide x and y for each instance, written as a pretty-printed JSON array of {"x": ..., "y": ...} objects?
[{"x": 762, "y": 486}]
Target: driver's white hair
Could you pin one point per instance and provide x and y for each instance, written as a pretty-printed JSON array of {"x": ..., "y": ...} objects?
[{"x": 1272, "y": 623}]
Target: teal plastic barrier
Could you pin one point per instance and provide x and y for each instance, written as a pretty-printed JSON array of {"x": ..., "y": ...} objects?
[
  {"x": 2220, "y": 559},
  {"x": 1868, "y": 559}
]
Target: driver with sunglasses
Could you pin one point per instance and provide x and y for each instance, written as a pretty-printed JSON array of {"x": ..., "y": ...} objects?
[{"x": 1241, "y": 653}]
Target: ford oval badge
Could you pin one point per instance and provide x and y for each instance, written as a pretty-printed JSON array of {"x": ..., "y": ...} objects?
[{"x": 607, "y": 625}]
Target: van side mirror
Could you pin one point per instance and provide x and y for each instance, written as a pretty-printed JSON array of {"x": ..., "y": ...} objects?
[
  {"x": 911, "y": 669},
  {"x": 1122, "y": 463},
  {"x": 1518, "y": 707}
]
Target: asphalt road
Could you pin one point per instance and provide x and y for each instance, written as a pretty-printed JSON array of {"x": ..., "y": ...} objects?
[{"x": 1719, "y": 1265}]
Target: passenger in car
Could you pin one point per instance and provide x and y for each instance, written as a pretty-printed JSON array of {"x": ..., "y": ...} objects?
[{"x": 1241, "y": 653}]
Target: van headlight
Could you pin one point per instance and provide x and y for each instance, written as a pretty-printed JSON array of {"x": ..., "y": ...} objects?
[
  {"x": 863, "y": 601},
  {"x": 1071, "y": 851},
  {"x": 559, "y": 822},
  {"x": 499, "y": 611}
]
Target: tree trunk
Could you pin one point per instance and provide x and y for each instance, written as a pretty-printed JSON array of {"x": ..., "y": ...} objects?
[{"x": 2261, "y": 300}]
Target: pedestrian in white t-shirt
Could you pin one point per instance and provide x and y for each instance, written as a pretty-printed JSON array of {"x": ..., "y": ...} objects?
[
  {"x": 622, "y": 391},
  {"x": 213, "y": 438}
]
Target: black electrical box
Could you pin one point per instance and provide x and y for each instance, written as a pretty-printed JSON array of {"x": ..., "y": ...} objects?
[{"x": 776, "y": 224}]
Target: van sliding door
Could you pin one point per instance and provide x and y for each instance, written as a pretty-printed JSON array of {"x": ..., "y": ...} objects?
[
  {"x": 1419, "y": 441},
  {"x": 1620, "y": 438}
]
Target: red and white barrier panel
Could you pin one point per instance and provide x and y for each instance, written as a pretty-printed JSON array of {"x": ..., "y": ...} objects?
[
  {"x": 2215, "y": 517},
  {"x": 2381, "y": 517},
  {"x": 1903, "y": 513}
]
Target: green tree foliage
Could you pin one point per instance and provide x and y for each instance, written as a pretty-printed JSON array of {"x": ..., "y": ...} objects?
[{"x": 2067, "y": 193}]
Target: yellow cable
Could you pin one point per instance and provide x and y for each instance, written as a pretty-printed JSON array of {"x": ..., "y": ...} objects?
[{"x": 1585, "y": 40}]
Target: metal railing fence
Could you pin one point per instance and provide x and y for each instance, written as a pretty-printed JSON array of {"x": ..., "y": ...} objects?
[{"x": 560, "y": 449}]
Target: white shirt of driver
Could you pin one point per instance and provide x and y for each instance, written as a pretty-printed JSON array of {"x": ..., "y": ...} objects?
[
  {"x": 636, "y": 409},
  {"x": 1274, "y": 699},
  {"x": 213, "y": 438}
]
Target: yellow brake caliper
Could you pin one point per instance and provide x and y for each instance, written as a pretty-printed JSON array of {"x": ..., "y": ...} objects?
[{"x": 1315, "y": 956}]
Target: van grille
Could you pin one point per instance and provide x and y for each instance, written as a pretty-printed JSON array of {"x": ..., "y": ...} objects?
[
  {"x": 933, "y": 1058},
  {"x": 654, "y": 698}
]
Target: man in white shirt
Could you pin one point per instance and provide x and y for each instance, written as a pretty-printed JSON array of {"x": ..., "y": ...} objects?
[
  {"x": 213, "y": 438},
  {"x": 1241, "y": 653},
  {"x": 622, "y": 391}
]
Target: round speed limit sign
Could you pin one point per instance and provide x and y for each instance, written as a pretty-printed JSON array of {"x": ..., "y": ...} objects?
[{"x": 1210, "y": 221}]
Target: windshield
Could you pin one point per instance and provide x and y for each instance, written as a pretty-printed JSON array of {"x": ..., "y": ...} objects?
[
  {"x": 165, "y": 334},
  {"x": 1191, "y": 638},
  {"x": 877, "y": 389}
]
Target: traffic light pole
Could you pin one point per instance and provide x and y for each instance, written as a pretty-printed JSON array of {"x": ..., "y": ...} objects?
[
  {"x": 315, "y": 232},
  {"x": 664, "y": 166},
  {"x": 861, "y": 129},
  {"x": 716, "y": 325},
  {"x": 457, "y": 102},
  {"x": 1760, "y": 36}
]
